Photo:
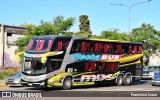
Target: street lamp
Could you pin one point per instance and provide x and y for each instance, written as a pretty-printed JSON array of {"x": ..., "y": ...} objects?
[{"x": 129, "y": 9}]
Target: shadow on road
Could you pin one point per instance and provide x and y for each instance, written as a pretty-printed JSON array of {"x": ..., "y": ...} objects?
[
  {"x": 15, "y": 86},
  {"x": 85, "y": 87},
  {"x": 60, "y": 88},
  {"x": 139, "y": 82}
]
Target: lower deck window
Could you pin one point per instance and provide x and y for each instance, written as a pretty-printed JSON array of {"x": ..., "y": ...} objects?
[
  {"x": 53, "y": 65},
  {"x": 92, "y": 66}
]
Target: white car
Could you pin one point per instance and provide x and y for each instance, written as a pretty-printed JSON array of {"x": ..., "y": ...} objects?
[
  {"x": 150, "y": 72},
  {"x": 14, "y": 80}
]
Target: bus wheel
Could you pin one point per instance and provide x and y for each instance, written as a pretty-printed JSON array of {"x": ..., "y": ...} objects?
[
  {"x": 127, "y": 80},
  {"x": 119, "y": 80},
  {"x": 45, "y": 86},
  {"x": 67, "y": 83}
]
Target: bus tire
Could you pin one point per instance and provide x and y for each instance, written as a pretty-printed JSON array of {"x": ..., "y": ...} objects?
[
  {"x": 45, "y": 87},
  {"x": 119, "y": 80},
  {"x": 67, "y": 83},
  {"x": 127, "y": 80}
]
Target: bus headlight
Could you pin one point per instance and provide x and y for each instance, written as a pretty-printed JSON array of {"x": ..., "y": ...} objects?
[{"x": 42, "y": 83}]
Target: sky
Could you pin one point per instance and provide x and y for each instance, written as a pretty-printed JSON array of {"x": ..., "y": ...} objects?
[{"x": 102, "y": 15}]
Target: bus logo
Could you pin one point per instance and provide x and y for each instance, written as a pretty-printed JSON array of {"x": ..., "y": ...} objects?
[
  {"x": 110, "y": 57},
  {"x": 86, "y": 57},
  {"x": 93, "y": 77}
]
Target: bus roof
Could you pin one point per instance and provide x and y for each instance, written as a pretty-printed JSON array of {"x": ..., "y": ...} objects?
[{"x": 49, "y": 37}]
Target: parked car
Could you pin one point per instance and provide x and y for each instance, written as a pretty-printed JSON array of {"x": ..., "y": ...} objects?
[
  {"x": 150, "y": 72},
  {"x": 14, "y": 80},
  {"x": 156, "y": 79}
]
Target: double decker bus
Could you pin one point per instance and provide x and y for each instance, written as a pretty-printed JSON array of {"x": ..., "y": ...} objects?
[
  {"x": 100, "y": 61},
  {"x": 87, "y": 62},
  {"x": 43, "y": 55}
]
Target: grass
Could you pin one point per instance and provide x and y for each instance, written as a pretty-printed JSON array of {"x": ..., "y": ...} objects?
[{"x": 9, "y": 71}]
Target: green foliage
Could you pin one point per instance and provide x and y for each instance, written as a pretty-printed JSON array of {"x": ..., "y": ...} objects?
[
  {"x": 54, "y": 27},
  {"x": 68, "y": 34},
  {"x": 97, "y": 37},
  {"x": 8, "y": 72},
  {"x": 115, "y": 35},
  {"x": 82, "y": 34},
  {"x": 149, "y": 37},
  {"x": 84, "y": 24}
]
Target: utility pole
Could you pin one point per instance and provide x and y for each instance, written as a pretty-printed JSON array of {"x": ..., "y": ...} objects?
[{"x": 129, "y": 11}]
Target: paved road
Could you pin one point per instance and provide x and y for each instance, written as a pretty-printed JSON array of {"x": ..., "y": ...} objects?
[
  {"x": 94, "y": 93},
  {"x": 143, "y": 87}
]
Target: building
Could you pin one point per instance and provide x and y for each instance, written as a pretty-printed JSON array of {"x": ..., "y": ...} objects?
[
  {"x": 154, "y": 59},
  {"x": 9, "y": 34}
]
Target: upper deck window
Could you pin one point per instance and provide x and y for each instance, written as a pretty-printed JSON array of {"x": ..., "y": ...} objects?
[
  {"x": 41, "y": 42},
  {"x": 96, "y": 47},
  {"x": 30, "y": 45},
  {"x": 88, "y": 46},
  {"x": 139, "y": 49},
  {"x": 39, "y": 45},
  {"x": 135, "y": 49},
  {"x": 83, "y": 48},
  {"x": 67, "y": 43},
  {"x": 59, "y": 45},
  {"x": 118, "y": 48},
  {"x": 106, "y": 47},
  {"x": 100, "y": 47}
]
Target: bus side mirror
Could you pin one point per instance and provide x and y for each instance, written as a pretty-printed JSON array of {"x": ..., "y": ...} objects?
[
  {"x": 17, "y": 58},
  {"x": 44, "y": 56}
]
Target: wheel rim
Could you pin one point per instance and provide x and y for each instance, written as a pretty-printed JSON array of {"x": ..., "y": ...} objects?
[
  {"x": 128, "y": 80},
  {"x": 120, "y": 81},
  {"x": 68, "y": 83}
]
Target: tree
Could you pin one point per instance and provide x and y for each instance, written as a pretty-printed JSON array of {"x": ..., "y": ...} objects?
[
  {"x": 54, "y": 27},
  {"x": 68, "y": 33},
  {"x": 97, "y": 37},
  {"x": 82, "y": 34},
  {"x": 84, "y": 24},
  {"x": 114, "y": 34},
  {"x": 149, "y": 36}
]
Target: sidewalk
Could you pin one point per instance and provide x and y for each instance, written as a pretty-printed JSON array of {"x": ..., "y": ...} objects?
[{"x": 2, "y": 83}]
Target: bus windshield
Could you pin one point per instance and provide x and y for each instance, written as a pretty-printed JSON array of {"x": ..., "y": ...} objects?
[
  {"x": 33, "y": 67},
  {"x": 39, "y": 45}
]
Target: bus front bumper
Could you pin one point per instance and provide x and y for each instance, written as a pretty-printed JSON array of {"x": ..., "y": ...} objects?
[{"x": 33, "y": 84}]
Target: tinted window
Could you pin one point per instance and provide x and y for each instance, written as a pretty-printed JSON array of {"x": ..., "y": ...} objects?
[
  {"x": 107, "y": 47},
  {"x": 39, "y": 45},
  {"x": 53, "y": 65},
  {"x": 75, "y": 67}
]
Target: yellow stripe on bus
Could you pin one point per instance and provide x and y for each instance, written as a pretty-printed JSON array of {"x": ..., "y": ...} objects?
[
  {"x": 17, "y": 55},
  {"x": 115, "y": 75},
  {"x": 83, "y": 73},
  {"x": 44, "y": 56},
  {"x": 83, "y": 83},
  {"x": 138, "y": 62}
]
